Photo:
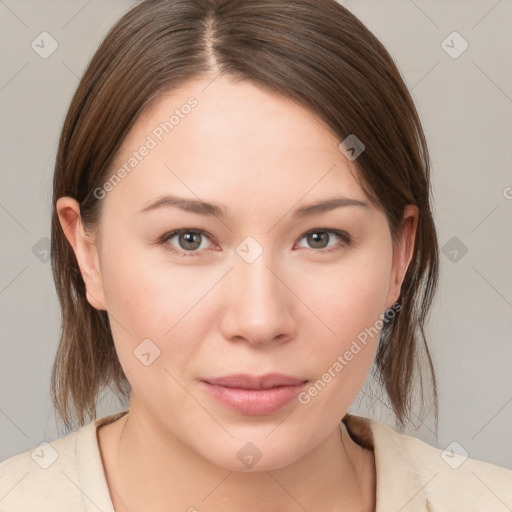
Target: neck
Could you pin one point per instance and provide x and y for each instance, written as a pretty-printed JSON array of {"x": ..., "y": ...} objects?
[{"x": 150, "y": 470}]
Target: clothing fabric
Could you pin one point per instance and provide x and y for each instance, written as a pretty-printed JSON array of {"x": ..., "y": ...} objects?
[{"x": 67, "y": 475}]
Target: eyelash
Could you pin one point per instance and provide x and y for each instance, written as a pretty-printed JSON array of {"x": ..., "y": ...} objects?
[{"x": 346, "y": 241}]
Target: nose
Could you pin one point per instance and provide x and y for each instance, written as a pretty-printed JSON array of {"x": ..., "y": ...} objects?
[{"x": 259, "y": 307}]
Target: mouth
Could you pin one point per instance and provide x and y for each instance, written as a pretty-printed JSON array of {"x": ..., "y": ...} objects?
[{"x": 254, "y": 395}]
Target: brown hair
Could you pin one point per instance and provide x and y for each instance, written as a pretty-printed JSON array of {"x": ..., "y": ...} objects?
[{"x": 313, "y": 51}]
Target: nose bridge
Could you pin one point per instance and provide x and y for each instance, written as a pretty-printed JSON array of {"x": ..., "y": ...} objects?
[
  {"x": 259, "y": 303},
  {"x": 257, "y": 281}
]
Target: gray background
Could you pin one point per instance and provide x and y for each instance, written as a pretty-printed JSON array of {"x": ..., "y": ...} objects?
[{"x": 465, "y": 104}]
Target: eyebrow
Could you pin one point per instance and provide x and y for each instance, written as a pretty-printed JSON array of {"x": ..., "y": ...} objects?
[{"x": 215, "y": 210}]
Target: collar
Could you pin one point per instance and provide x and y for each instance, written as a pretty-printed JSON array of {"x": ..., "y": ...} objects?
[{"x": 399, "y": 487}]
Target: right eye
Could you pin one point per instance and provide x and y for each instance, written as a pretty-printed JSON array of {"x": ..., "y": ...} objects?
[{"x": 188, "y": 240}]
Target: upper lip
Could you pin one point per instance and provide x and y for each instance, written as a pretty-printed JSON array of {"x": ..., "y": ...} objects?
[{"x": 244, "y": 381}]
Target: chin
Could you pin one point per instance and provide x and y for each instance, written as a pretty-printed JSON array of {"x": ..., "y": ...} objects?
[{"x": 248, "y": 457}]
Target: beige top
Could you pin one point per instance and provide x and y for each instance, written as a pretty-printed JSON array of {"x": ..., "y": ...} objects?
[{"x": 67, "y": 475}]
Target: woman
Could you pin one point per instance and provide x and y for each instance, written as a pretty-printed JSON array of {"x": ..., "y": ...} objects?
[{"x": 241, "y": 227}]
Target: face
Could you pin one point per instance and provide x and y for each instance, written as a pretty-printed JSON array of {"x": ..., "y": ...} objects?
[{"x": 256, "y": 285}]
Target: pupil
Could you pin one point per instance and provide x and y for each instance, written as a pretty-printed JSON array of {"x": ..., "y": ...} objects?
[
  {"x": 317, "y": 238},
  {"x": 189, "y": 239}
]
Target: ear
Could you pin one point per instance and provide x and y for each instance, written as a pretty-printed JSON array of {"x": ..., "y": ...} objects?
[
  {"x": 402, "y": 253},
  {"x": 84, "y": 248}
]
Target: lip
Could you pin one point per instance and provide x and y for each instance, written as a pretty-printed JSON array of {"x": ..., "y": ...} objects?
[{"x": 254, "y": 395}]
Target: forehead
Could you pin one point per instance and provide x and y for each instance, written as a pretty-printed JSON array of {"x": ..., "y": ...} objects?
[{"x": 233, "y": 142}]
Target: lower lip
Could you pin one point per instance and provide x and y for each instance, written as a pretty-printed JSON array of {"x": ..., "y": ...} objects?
[{"x": 254, "y": 402}]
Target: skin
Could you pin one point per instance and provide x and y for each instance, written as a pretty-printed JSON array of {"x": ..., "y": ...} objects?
[{"x": 293, "y": 310}]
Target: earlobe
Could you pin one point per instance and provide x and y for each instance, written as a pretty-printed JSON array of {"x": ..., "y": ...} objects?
[
  {"x": 403, "y": 252},
  {"x": 84, "y": 248}
]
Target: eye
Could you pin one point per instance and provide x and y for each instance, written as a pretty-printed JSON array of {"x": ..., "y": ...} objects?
[
  {"x": 319, "y": 239},
  {"x": 188, "y": 240}
]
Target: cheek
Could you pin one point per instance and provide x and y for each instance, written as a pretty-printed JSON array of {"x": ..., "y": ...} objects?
[
  {"x": 142, "y": 292},
  {"x": 143, "y": 300},
  {"x": 145, "y": 309},
  {"x": 149, "y": 299},
  {"x": 348, "y": 306},
  {"x": 350, "y": 298}
]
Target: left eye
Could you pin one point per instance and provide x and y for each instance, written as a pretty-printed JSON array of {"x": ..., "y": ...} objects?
[
  {"x": 318, "y": 238},
  {"x": 190, "y": 243}
]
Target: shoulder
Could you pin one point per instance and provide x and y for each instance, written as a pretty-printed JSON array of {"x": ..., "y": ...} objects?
[
  {"x": 42, "y": 475},
  {"x": 412, "y": 473},
  {"x": 452, "y": 479},
  {"x": 62, "y": 475}
]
